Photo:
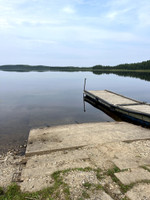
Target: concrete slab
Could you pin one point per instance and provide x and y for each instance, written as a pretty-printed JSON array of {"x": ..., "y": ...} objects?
[
  {"x": 132, "y": 155},
  {"x": 98, "y": 158},
  {"x": 139, "y": 192},
  {"x": 40, "y": 167},
  {"x": 101, "y": 195},
  {"x": 46, "y": 140},
  {"x": 133, "y": 175},
  {"x": 76, "y": 179},
  {"x": 125, "y": 155},
  {"x": 33, "y": 184}
]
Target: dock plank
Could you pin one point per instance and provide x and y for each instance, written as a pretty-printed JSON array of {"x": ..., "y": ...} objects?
[
  {"x": 128, "y": 109},
  {"x": 112, "y": 98},
  {"x": 139, "y": 108}
]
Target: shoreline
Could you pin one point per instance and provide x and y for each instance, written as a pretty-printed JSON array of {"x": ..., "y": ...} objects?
[{"x": 16, "y": 150}]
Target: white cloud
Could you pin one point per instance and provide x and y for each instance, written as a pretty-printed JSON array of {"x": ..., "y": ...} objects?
[
  {"x": 112, "y": 15},
  {"x": 117, "y": 14},
  {"x": 135, "y": 13},
  {"x": 36, "y": 22},
  {"x": 4, "y": 24},
  {"x": 143, "y": 14},
  {"x": 73, "y": 24},
  {"x": 41, "y": 41},
  {"x": 95, "y": 35},
  {"x": 68, "y": 10}
]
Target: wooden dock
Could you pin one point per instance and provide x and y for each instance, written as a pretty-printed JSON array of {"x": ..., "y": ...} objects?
[{"x": 133, "y": 110}]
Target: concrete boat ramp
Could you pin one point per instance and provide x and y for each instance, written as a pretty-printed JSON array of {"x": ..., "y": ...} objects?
[
  {"x": 92, "y": 146},
  {"x": 68, "y": 137}
]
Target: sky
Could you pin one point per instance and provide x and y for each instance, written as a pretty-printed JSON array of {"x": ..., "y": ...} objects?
[{"x": 74, "y": 32}]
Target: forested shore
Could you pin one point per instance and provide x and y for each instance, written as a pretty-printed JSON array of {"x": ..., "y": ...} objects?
[{"x": 141, "y": 66}]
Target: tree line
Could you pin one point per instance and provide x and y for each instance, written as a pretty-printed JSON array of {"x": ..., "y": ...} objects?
[{"x": 145, "y": 65}]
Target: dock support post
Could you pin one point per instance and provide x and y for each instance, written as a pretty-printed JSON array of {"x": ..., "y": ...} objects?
[
  {"x": 83, "y": 94},
  {"x": 84, "y": 83}
]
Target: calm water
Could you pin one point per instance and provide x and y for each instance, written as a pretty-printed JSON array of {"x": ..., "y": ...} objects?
[{"x": 36, "y": 99}]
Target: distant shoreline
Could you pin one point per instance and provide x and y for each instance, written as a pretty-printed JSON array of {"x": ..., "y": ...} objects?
[
  {"x": 133, "y": 67},
  {"x": 135, "y": 70}
]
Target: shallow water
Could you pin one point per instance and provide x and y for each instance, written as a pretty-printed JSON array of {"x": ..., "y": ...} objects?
[{"x": 35, "y": 99}]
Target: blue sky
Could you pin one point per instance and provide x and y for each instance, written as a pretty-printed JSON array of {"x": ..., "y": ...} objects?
[{"x": 74, "y": 32}]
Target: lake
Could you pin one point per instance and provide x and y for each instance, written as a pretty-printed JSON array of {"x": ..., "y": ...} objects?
[{"x": 36, "y": 99}]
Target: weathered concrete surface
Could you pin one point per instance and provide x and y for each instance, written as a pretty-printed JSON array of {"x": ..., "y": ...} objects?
[
  {"x": 94, "y": 145},
  {"x": 42, "y": 166},
  {"x": 101, "y": 195},
  {"x": 127, "y": 155},
  {"x": 77, "y": 179},
  {"x": 139, "y": 192},
  {"x": 65, "y": 137},
  {"x": 133, "y": 176},
  {"x": 61, "y": 160}
]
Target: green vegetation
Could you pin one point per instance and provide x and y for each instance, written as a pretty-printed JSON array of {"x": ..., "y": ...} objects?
[
  {"x": 135, "y": 70},
  {"x": 1, "y": 191},
  {"x": 111, "y": 173},
  {"x": 85, "y": 195},
  {"x": 146, "y": 168},
  {"x": 87, "y": 185},
  {"x": 145, "y": 65},
  {"x": 60, "y": 189},
  {"x": 144, "y": 75},
  {"x": 123, "y": 188},
  {"x": 42, "y": 68},
  {"x": 141, "y": 66}
]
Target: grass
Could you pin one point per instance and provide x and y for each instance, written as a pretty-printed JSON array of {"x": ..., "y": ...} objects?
[
  {"x": 123, "y": 188},
  {"x": 1, "y": 191},
  {"x": 146, "y": 168},
  {"x": 111, "y": 173},
  {"x": 87, "y": 185},
  {"x": 13, "y": 193},
  {"x": 85, "y": 195},
  {"x": 60, "y": 188},
  {"x": 54, "y": 192}
]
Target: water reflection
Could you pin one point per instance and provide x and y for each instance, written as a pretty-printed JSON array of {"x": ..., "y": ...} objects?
[
  {"x": 142, "y": 75},
  {"x": 34, "y": 99}
]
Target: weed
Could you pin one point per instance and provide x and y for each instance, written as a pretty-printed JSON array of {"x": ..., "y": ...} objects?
[
  {"x": 87, "y": 185},
  {"x": 85, "y": 195},
  {"x": 125, "y": 188},
  {"x": 111, "y": 172},
  {"x": 1, "y": 191},
  {"x": 98, "y": 187},
  {"x": 146, "y": 168},
  {"x": 66, "y": 191},
  {"x": 125, "y": 198},
  {"x": 59, "y": 187}
]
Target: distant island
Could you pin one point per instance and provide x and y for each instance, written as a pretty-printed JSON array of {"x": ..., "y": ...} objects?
[{"x": 141, "y": 67}]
